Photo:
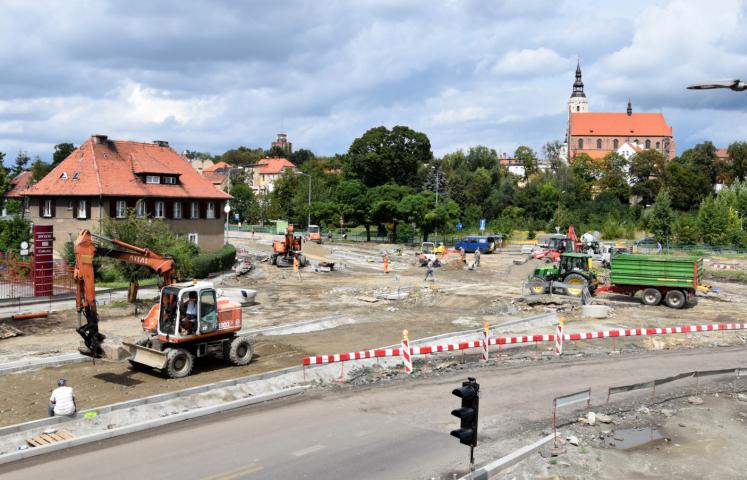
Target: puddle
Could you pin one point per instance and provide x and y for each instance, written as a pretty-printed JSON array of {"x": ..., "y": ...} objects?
[{"x": 629, "y": 438}]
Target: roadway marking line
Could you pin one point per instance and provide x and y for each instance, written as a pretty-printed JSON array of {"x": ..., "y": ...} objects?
[
  {"x": 306, "y": 451},
  {"x": 234, "y": 474}
]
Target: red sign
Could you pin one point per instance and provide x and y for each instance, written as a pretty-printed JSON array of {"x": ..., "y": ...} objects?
[{"x": 43, "y": 259}]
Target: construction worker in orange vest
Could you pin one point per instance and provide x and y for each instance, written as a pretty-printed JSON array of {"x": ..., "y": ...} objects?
[
  {"x": 296, "y": 265},
  {"x": 386, "y": 262}
]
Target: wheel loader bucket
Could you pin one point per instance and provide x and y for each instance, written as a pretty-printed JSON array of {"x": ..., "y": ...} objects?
[{"x": 146, "y": 356}]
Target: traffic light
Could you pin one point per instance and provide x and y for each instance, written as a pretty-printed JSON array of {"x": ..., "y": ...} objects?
[{"x": 470, "y": 395}]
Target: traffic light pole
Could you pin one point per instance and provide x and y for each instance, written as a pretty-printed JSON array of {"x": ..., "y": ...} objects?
[{"x": 468, "y": 414}]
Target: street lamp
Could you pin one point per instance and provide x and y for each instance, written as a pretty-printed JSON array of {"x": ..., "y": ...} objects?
[
  {"x": 226, "y": 209},
  {"x": 733, "y": 84},
  {"x": 308, "y": 217}
]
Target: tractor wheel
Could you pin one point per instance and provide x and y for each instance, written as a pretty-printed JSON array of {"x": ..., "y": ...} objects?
[
  {"x": 179, "y": 363},
  {"x": 575, "y": 279},
  {"x": 240, "y": 351},
  {"x": 675, "y": 299},
  {"x": 651, "y": 296},
  {"x": 537, "y": 285},
  {"x": 142, "y": 342}
]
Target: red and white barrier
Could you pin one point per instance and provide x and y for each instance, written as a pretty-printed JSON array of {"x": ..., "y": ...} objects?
[
  {"x": 405, "y": 351},
  {"x": 559, "y": 337},
  {"x": 572, "y": 337},
  {"x": 486, "y": 342}
]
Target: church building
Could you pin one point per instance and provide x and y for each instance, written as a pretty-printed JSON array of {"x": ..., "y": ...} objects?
[{"x": 599, "y": 133}]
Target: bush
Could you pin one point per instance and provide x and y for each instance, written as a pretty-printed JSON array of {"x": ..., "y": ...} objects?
[
  {"x": 206, "y": 263},
  {"x": 12, "y": 233}
]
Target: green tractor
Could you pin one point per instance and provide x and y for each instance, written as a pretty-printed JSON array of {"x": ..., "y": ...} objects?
[{"x": 573, "y": 269}]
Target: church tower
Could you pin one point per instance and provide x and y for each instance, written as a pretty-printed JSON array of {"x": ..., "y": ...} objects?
[{"x": 578, "y": 101}]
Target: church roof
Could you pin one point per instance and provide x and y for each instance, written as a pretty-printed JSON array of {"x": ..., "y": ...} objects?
[{"x": 619, "y": 124}]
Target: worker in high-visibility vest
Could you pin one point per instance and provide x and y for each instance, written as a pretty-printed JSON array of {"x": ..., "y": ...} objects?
[
  {"x": 296, "y": 265},
  {"x": 386, "y": 262}
]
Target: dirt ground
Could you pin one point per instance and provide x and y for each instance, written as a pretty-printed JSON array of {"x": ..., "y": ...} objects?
[{"x": 459, "y": 299}]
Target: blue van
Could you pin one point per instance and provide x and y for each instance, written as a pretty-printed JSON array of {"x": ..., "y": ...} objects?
[{"x": 486, "y": 243}]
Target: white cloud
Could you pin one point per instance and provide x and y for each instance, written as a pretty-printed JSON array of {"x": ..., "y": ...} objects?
[{"x": 538, "y": 61}]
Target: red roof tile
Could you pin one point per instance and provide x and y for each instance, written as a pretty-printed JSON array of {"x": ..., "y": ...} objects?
[
  {"x": 216, "y": 178},
  {"x": 18, "y": 185},
  {"x": 269, "y": 166},
  {"x": 217, "y": 166},
  {"x": 619, "y": 124},
  {"x": 111, "y": 168},
  {"x": 722, "y": 153}
]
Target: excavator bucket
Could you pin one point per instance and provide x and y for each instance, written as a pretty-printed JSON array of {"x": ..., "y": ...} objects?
[{"x": 146, "y": 356}]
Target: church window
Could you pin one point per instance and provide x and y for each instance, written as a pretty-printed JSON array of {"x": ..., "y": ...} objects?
[
  {"x": 658, "y": 145},
  {"x": 578, "y": 108},
  {"x": 581, "y": 143},
  {"x": 599, "y": 143},
  {"x": 648, "y": 143},
  {"x": 615, "y": 144}
]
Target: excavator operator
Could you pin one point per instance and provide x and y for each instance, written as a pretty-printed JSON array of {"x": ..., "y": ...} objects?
[{"x": 189, "y": 317}]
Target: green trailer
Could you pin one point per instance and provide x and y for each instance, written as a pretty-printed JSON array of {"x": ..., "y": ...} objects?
[{"x": 673, "y": 279}]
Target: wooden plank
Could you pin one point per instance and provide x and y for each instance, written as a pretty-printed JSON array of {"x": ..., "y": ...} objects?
[
  {"x": 55, "y": 437},
  {"x": 65, "y": 434}
]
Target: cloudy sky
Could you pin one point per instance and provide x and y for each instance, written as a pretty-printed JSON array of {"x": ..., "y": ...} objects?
[{"x": 212, "y": 75}]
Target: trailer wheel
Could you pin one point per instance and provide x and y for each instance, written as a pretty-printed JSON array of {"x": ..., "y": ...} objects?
[
  {"x": 240, "y": 351},
  {"x": 179, "y": 363},
  {"x": 651, "y": 296},
  {"x": 675, "y": 299},
  {"x": 537, "y": 285},
  {"x": 575, "y": 279}
]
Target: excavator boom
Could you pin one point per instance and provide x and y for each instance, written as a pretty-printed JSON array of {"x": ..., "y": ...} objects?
[{"x": 85, "y": 293}]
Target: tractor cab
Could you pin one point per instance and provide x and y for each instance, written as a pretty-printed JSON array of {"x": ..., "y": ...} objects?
[
  {"x": 573, "y": 269},
  {"x": 561, "y": 244},
  {"x": 574, "y": 262}
]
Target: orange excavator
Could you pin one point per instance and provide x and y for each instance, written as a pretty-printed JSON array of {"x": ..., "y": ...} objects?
[
  {"x": 189, "y": 321},
  {"x": 283, "y": 251}
]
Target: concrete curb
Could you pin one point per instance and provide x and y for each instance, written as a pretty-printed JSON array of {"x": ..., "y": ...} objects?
[
  {"x": 137, "y": 427},
  {"x": 57, "y": 360},
  {"x": 148, "y": 400},
  {"x": 493, "y": 468}
]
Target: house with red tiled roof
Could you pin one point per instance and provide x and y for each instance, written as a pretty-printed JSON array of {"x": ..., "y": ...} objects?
[
  {"x": 267, "y": 170},
  {"x": 19, "y": 184},
  {"x": 599, "y": 133},
  {"x": 106, "y": 178},
  {"x": 221, "y": 167}
]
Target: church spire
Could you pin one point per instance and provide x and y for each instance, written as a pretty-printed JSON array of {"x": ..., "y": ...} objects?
[
  {"x": 630, "y": 108},
  {"x": 578, "y": 85}
]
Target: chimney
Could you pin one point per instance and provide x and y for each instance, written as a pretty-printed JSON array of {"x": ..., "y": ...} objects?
[
  {"x": 99, "y": 139},
  {"x": 161, "y": 143}
]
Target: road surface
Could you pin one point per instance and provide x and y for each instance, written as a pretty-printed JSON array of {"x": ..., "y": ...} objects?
[{"x": 395, "y": 431}]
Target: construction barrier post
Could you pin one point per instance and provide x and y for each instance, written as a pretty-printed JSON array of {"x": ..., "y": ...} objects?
[
  {"x": 485, "y": 341},
  {"x": 406, "y": 358},
  {"x": 559, "y": 337}
]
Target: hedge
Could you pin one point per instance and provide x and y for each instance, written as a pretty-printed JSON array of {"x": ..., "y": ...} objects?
[{"x": 207, "y": 263}]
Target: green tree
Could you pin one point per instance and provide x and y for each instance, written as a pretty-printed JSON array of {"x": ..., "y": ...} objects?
[
  {"x": 528, "y": 159},
  {"x": 552, "y": 151},
  {"x": 646, "y": 170},
  {"x": 703, "y": 158},
  {"x": 241, "y": 156},
  {"x": 687, "y": 185},
  {"x": 22, "y": 159},
  {"x": 659, "y": 218},
  {"x": 719, "y": 224},
  {"x": 39, "y": 169},
  {"x": 353, "y": 206},
  {"x": 383, "y": 156},
  {"x": 299, "y": 157},
  {"x": 686, "y": 229},
  {"x": 738, "y": 156},
  {"x": 613, "y": 178},
  {"x": 61, "y": 152},
  {"x": 384, "y": 202},
  {"x": 193, "y": 155},
  {"x": 243, "y": 201}
]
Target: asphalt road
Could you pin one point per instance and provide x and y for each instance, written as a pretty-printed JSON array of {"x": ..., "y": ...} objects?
[{"x": 396, "y": 431}]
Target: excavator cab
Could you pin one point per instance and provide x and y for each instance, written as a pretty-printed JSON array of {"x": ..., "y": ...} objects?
[{"x": 188, "y": 311}]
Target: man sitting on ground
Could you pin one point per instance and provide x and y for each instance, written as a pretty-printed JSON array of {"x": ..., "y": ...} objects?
[{"x": 62, "y": 401}]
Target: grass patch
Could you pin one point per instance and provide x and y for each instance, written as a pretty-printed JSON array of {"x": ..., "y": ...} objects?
[
  {"x": 738, "y": 276},
  {"x": 553, "y": 461}
]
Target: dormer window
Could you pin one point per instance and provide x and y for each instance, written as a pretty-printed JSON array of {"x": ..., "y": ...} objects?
[
  {"x": 63, "y": 176},
  {"x": 169, "y": 180},
  {"x": 152, "y": 179},
  {"x": 76, "y": 175}
]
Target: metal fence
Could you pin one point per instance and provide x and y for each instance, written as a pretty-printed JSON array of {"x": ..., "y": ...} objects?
[{"x": 17, "y": 277}]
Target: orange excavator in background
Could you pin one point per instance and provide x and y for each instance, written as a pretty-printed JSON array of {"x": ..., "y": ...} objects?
[
  {"x": 189, "y": 321},
  {"x": 284, "y": 250}
]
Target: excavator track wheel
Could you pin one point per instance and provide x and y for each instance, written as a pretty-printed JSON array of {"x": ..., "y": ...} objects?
[
  {"x": 179, "y": 363},
  {"x": 240, "y": 351}
]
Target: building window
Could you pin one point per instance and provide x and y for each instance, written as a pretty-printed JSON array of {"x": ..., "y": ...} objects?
[
  {"x": 47, "y": 212},
  {"x": 169, "y": 180},
  {"x": 615, "y": 144},
  {"x": 192, "y": 238},
  {"x": 121, "y": 208},
  {"x": 578, "y": 108},
  {"x": 658, "y": 145},
  {"x": 160, "y": 210},
  {"x": 581, "y": 143},
  {"x": 140, "y": 208},
  {"x": 177, "y": 209},
  {"x": 69, "y": 204},
  {"x": 152, "y": 179},
  {"x": 82, "y": 209},
  {"x": 648, "y": 144},
  {"x": 210, "y": 210},
  {"x": 195, "y": 211},
  {"x": 599, "y": 143}
]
